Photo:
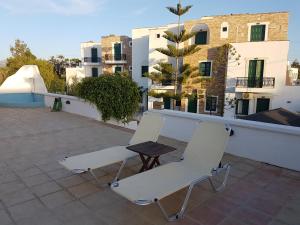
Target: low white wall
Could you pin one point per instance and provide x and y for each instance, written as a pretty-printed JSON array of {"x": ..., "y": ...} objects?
[
  {"x": 275, "y": 144},
  {"x": 80, "y": 107}
]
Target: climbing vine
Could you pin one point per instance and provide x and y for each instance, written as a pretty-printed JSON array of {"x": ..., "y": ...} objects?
[{"x": 115, "y": 96}]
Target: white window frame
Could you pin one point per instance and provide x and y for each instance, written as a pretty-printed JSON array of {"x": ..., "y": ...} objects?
[
  {"x": 259, "y": 23},
  {"x": 211, "y": 66},
  {"x": 130, "y": 68},
  {"x": 130, "y": 44},
  {"x": 216, "y": 106}
]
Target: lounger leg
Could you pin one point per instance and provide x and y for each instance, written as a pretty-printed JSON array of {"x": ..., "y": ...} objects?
[
  {"x": 180, "y": 214},
  {"x": 225, "y": 168},
  {"x": 93, "y": 175},
  {"x": 119, "y": 171}
]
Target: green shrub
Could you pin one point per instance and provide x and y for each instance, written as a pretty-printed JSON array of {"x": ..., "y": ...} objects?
[{"x": 115, "y": 96}]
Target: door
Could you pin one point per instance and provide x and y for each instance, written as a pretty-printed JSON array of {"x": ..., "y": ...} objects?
[
  {"x": 242, "y": 107},
  {"x": 167, "y": 103},
  {"x": 255, "y": 73},
  {"x": 118, "y": 69},
  {"x": 95, "y": 72},
  {"x": 117, "y": 51},
  {"x": 262, "y": 104},
  {"x": 192, "y": 103},
  {"x": 94, "y": 53}
]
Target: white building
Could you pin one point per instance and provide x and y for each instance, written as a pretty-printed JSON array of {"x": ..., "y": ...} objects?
[{"x": 145, "y": 41}]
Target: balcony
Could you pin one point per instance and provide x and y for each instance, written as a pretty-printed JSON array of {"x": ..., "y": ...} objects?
[
  {"x": 115, "y": 59},
  {"x": 165, "y": 85},
  {"x": 92, "y": 60},
  {"x": 245, "y": 82}
]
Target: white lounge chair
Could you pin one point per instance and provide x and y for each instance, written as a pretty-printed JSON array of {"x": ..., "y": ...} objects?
[
  {"x": 200, "y": 161},
  {"x": 148, "y": 130}
]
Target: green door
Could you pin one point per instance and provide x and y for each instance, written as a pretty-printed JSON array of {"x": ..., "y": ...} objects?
[
  {"x": 167, "y": 103},
  {"x": 263, "y": 104},
  {"x": 258, "y": 33},
  {"x": 192, "y": 104},
  {"x": 95, "y": 72},
  {"x": 255, "y": 73},
  {"x": 94, "y": 53},
  {"x": 117, "y": 51}
]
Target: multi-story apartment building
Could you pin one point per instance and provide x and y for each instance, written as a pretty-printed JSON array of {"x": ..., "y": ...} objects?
[
  {"x": 111, "y": 55},
  {"x": 252, "y": 81}
]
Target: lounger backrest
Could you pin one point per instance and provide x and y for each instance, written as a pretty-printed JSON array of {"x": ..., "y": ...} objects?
[
  {"x": 148, "y": 129},
  {"x": 207, "y": 146}
]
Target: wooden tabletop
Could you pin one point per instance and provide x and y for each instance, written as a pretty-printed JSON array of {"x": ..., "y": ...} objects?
[{"x": 151, "y": 149}]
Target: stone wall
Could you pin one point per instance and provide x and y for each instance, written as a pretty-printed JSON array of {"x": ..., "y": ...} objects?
[{"x": 238, "y": 31}]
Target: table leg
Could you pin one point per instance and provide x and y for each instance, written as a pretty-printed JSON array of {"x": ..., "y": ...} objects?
[
  {"x": 155, "y": 161},
  {"x": 145, "y": 163}
]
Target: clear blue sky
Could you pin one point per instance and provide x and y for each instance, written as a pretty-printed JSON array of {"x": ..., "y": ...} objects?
[{"x": 52, "y": 27}]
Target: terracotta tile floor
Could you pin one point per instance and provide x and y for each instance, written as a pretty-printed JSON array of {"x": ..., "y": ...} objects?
[{"x": 36, "y": 190}]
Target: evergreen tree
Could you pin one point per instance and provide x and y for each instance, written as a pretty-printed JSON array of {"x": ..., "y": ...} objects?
[{"x": 165, "y": 71}]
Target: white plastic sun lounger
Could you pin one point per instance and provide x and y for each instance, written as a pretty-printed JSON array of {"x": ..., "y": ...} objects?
[
  {"x": 148, "y": 130},
  {"x": 200, "y": 162}
]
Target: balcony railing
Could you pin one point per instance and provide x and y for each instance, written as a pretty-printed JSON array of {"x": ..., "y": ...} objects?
[
  {"x": 92, "y": 59},
  {"x": 246, "y": 82},
  {"x": 115, "y": 58}
]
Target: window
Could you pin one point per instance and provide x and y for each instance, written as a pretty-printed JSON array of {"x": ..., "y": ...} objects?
[
  {"x": 145, "y": 69},
  {"x": 95, "y": 72},
  {"x": 201, "y": 38},
  {"x": 130, "y": 68},
  {"x": 211, "y": 104},
  {"x": 158, "y": 35},
  {"x": 118, "y": 69},
  {"x": 205, "y": 69},
  {"x": 130, "y": 43},
  {"x": 258, "y": 33},
  {"x": 224, "y": 30}
]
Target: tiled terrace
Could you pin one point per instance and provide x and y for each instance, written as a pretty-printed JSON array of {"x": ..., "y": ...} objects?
[{"x": 36, "y": 190}]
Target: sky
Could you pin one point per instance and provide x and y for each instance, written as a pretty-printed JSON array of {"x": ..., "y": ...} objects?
[{"x": 53, "y": 27}]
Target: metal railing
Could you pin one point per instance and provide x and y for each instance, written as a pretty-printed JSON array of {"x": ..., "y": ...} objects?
[
  {"x": 246, "y": 82},
  {"x": 112, "y": 57},
  {"x": 92, "y": 59}
]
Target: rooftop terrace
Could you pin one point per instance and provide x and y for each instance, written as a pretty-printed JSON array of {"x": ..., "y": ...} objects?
[{"x": 36, "y": 190}]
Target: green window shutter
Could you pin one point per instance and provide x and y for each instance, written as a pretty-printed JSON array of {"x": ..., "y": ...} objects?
[
  {"x": 205, "y": 69},
  {"x": 256, "y": 73},
  {"x": 201, "y": 38},
  {"x": 95, "y": 72},
  {"x": 94, "y": 54},
  {"x": 145, "y": 69},
  {"x": 258, "y": 33},
  {"x": 117, "y": 51}
]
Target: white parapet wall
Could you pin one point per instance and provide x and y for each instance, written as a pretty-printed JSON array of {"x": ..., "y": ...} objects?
[
  {"x": 80, "y": 107},
  {"x": 270, "y": 143}
]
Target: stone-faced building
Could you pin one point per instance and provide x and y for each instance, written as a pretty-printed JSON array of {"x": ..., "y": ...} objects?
[
  {"x": 116, "y": 54},
  {"x": 250, "y": 32}
]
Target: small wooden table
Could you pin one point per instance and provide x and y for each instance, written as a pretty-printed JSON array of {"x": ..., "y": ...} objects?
[{"x": 150, "y": 150}]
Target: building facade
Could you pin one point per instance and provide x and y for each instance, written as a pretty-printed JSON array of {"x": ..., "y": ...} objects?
[
  {"x": 253, "y": 77},
  {"x": 111, "y": 55}
]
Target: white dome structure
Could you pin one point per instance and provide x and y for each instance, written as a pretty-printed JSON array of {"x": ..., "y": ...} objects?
[{"x": 26, "y": 80}]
